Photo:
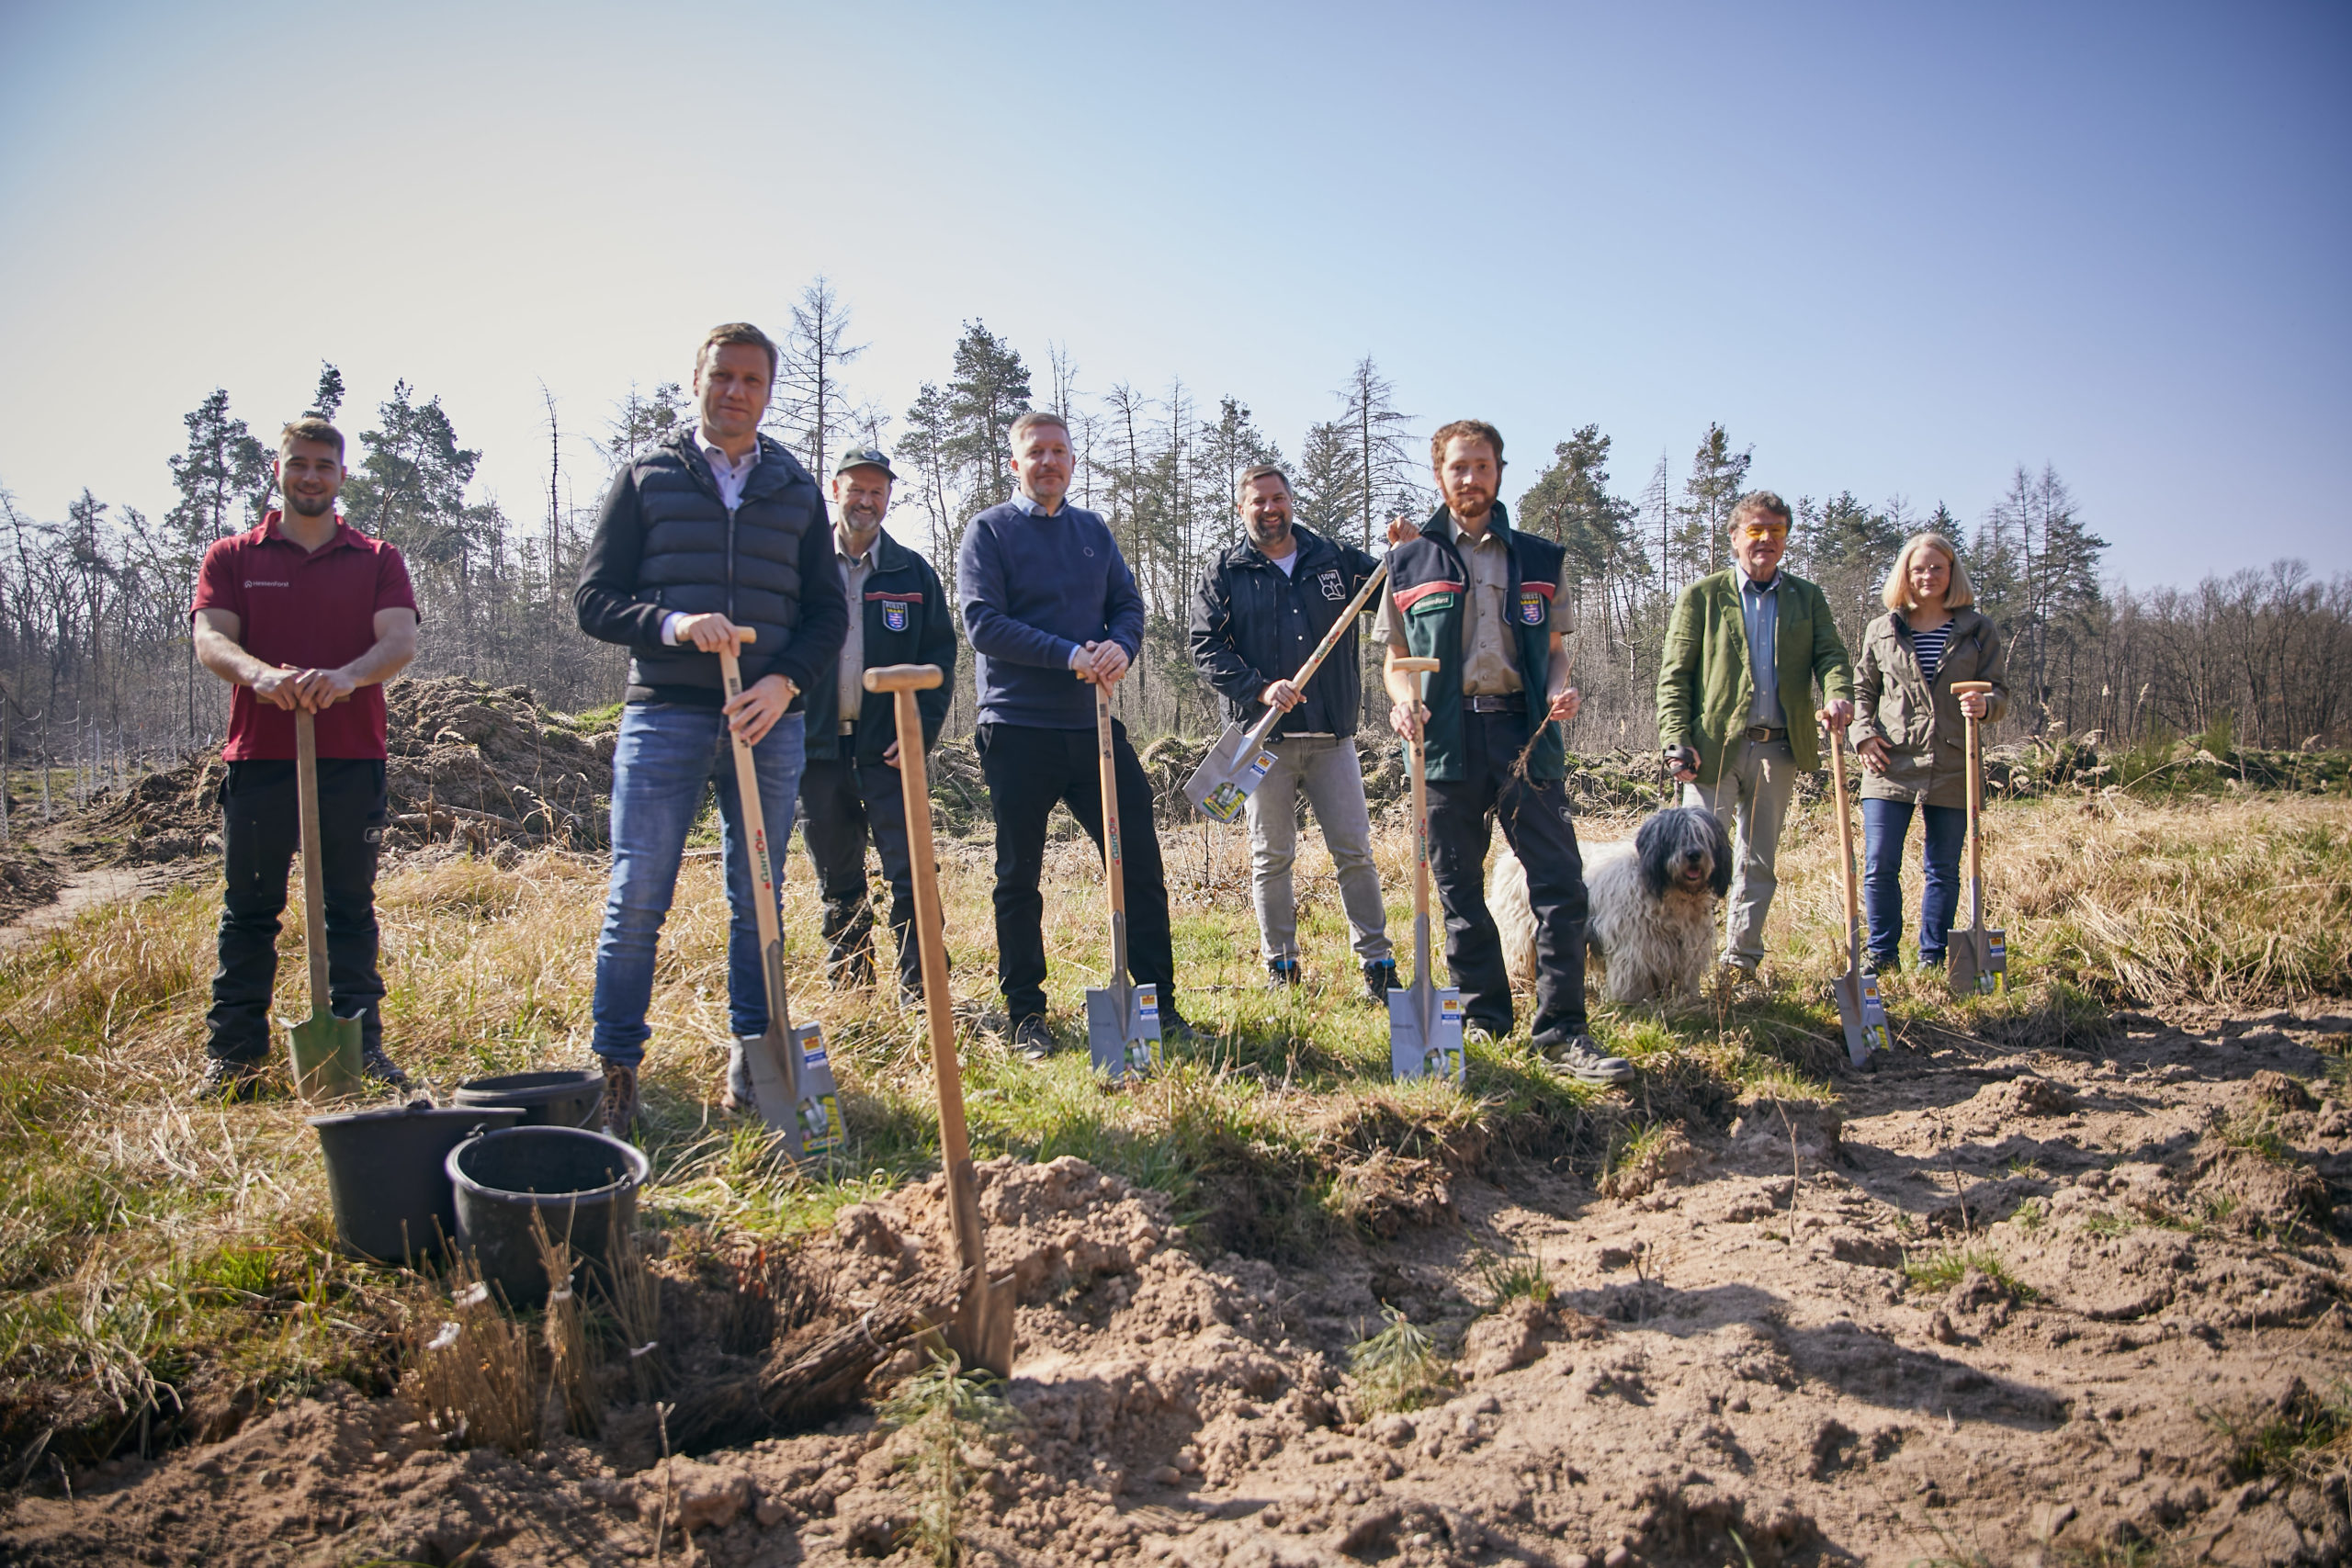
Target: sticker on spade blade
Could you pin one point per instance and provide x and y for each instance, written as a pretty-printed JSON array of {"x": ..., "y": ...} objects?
[
  {"x": 1990, "y": 978},
  {"x": 1874, "y": 1015},
  {"x": 820, "y": 1108},
  {"x": 1143, "y": 1041},
  {"x": 1226, "y": 801},
  {"x": 1409, "y": 1056}
]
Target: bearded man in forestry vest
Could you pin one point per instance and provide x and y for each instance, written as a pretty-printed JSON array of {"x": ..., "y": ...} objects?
[{"x": 1486, "y": 601}]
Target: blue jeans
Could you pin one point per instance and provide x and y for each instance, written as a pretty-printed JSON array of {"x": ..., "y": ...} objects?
[
  {"x": 1885, "y": 824},
  {"x": 667, "y": 754}
]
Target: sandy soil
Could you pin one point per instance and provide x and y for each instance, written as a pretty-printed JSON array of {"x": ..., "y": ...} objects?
[{"x": 1733, "y": 1365}]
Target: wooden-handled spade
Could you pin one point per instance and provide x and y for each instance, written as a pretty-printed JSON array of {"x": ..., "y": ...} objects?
[
  {"x": 1978, "y": 959},
  {"x": 1232, "y": 768},
  {"x": 1122, "y": 1017},
  {"x": 1424, "y": 1019},
  {"x": 981, "y": 1331},
  {"x": 775, "y": 1060},
  {"x": 1860, "y": 1011},
  {"x": 322, "y": 1048}
]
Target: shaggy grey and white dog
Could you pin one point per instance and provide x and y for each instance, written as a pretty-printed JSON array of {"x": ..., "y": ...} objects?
[{"x": 1653, "y": 923}]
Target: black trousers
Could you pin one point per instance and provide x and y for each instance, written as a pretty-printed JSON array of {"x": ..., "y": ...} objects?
[
  {"x": 261, "y": 832},
  {"x": 1534, "y": 818},
  {"x": 843, "y": 803},
  {"x": 1027, "y": 770}
]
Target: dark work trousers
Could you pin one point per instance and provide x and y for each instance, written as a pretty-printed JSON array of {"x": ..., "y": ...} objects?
[
  {"x": 261, "y": 832},
  {"x": 1027, "y": 770},
  {"x": 842, "y": 805},
  {"x": 1535, "y": 818}
]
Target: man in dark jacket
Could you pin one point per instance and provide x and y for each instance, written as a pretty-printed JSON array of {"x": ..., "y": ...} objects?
[
  {"x": 1050, "y": 606},
  {"x": 850, "y": 789},
  {"x": 1485, "y": 600},
  {"x": 1262, "y": 608},
  {"x": 701, "y": 538}
]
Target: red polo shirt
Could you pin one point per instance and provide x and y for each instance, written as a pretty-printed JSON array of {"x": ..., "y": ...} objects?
[{"x": 306, "y": 610}]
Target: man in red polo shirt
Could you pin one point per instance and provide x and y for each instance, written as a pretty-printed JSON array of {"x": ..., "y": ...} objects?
[{"x": 302, "y": 612}]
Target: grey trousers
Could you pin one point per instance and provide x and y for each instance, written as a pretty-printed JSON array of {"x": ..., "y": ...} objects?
[
  {"x": 1750, "y": 799},
  {"x": 1327, "y": 768}
]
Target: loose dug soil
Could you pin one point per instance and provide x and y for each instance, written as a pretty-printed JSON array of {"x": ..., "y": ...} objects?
[
  {"x": 468, "y": 763},
  {"x": 1734, "y": 1365},
  {"x": 26, "y": 882}
]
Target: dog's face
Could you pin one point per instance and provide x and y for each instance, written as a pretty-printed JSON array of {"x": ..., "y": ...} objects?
[{"x": 1684, "y": 850}]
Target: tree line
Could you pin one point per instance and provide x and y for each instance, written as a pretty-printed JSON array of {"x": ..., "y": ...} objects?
[{"x": 97, "y": 672}]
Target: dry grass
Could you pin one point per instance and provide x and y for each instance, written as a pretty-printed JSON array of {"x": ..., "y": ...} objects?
[{"x": 152, "y": 1248}]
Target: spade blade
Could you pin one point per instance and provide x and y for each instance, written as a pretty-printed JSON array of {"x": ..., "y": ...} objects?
[
  {"x": 1862, "y": 1015},
  {"x": 324, "y": 1051},
  {"x": 1123, "y": 1042},
  {"x": 1220, "y": 786}
]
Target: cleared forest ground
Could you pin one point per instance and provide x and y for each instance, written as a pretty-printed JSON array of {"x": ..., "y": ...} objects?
[{"x": 2062, "y": 1280}]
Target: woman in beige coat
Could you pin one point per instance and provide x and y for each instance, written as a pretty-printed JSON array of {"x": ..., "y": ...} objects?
[{"x": 1913, "y": 746}]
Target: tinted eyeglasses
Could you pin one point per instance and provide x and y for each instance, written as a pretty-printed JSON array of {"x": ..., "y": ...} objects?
[{"x": 1766, "y": 530}]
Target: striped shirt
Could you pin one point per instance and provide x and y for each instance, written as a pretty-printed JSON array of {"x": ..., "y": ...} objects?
[{"x": 1930, "y": 647}]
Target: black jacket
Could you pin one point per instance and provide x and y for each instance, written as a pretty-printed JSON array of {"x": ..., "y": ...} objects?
[
  {"x": 1252, "y": 625},
  {"x": 664, "y": 541},
  {"x": 902, "y": 589}
]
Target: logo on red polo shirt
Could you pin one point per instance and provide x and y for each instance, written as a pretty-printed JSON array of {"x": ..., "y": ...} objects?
[{"x": 257, "y": 582}]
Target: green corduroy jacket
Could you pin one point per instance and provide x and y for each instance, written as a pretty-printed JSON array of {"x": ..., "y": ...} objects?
[{"x": 1703, "y": 686}]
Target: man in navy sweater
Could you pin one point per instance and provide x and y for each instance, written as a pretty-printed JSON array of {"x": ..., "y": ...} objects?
[{"x": 1050, "y": 606}]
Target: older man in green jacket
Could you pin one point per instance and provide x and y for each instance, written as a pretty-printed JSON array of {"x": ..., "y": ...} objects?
[{"x": 1735, "y": 703}]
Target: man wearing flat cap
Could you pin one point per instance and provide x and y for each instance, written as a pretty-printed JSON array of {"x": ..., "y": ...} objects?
[{"x": 850, "y": 789}]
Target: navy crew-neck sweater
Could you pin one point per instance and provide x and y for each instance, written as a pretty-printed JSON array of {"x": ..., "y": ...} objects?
[{"x": 1032, "y": 588}]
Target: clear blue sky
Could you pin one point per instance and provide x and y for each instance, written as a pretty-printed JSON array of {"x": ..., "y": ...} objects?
[{"x": 1899, "y": 248}]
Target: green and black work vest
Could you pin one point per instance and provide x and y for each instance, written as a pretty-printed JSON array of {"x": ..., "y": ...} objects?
[{"x": 1430, "y": 581}]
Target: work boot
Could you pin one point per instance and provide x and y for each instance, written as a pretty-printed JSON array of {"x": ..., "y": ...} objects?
[
  {"x": 1282, "y": 972},
  {"x": 1379, "y": 980},
  {"x": 376, "y": 1063},
  {"x": 1577, "y": 1057},
  {"x": 620, "y": 1100},
  {"x": 1173, "y": 1028},
  {"x": 235, "y": 1081},
  {"x": 1032, "y": 1039},
  {"x": 738, "y": 1095}
]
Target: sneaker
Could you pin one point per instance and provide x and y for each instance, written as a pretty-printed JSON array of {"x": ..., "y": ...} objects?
[
  {"x": 235, "y": 1081},
  {"x": 1032, "y": 1039},
  {"x": 1477, "y": 1033},
  {"x": 1174, "y": 1029},
  {"x": 1379, "y": 980},
  {"x": 620, "y": 1100},
  {"x": 376, "y": 1063},
  {"x": 738, "y": 1095},
  {"x": 1576, "y": 1058},
  {"x": 1282, "y": 972}
]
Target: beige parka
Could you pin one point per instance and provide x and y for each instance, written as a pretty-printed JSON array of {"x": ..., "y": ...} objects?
[{"x": 1920, "y": 720}]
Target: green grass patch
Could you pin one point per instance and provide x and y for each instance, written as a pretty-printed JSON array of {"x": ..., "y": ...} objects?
[
  {"x": 1943, "y": 1269},
  {"x": 2305, "y": 1436}
]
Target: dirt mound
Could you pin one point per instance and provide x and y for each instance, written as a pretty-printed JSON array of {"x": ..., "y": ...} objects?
[
  {"x": 26, "y": 882},
  {"x": 468, "y": 764}
]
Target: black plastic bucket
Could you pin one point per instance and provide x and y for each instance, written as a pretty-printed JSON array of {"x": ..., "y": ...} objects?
[
  {"x": 569, "y": 1098},
  {"x": 582, "y": 1184},
  {"x": 388, "y": 1175}
]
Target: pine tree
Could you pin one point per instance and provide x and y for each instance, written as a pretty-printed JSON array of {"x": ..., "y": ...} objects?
[
  {"x": 329, "y": 395},
  {"x": 1718, "y": 476},
  {"x": 809, "y": 398},
  {"x": 1327, "y": 488},
  {"x": 1377, "y": 431},
  {"x": 641, "y": 424},
  {"x": 988, "y": 390}
]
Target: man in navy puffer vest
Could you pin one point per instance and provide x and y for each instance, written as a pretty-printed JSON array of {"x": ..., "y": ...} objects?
[{"x": 701, "y": 536}]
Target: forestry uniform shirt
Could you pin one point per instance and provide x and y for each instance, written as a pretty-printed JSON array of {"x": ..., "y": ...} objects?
[
  {"x": 1490, "y": 668},
  {"x": 304, "y": 610},
  {"x": 849, "y": 682}
]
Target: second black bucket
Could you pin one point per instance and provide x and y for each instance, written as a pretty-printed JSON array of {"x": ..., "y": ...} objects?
[
  {"x": 388, "y": 1176},
  {"x": 582, "y": 1185},
  {"x": 566, "y": 1097}
]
